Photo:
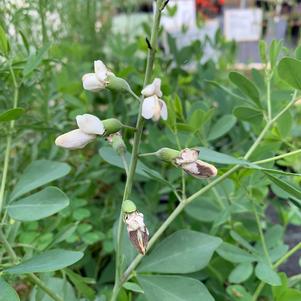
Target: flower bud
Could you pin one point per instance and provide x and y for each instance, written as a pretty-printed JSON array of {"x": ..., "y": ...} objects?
[
  {"x": 138, "y": 233},
  {"x": 111, "y": 125},
  {"x": 128, "y": 206},
  {"x": 117, "y": 143},
  {"x": 167, "y": 154}
]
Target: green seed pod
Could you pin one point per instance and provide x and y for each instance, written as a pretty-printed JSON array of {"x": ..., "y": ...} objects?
[
  {"x": 112, "y": 125},
  {"x": 128, "y": 206},
  {"x": 167, "y": 154}
]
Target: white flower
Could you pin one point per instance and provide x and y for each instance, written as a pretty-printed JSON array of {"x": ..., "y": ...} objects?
[
  {"x": 138, "y": 232},
  {"x": 188, "y": 161},
  {"x": 99, "y": 79},
  {"x": 75, "y": 139},
  {"x": 89, "y": 126},
  {"x": 153, "y": 107}
]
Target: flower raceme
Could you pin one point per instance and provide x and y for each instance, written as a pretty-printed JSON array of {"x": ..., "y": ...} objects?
[
  {"x": 187, "y": 159},
  {"x": 89, "y": 127},
  {"x": 153, "y": 107}
]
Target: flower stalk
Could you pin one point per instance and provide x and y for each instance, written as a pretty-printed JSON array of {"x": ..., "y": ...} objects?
[{"x": 136, "y": 144}]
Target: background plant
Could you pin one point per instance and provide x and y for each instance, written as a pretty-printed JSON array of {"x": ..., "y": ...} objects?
[{"x": 208, "y": 108}]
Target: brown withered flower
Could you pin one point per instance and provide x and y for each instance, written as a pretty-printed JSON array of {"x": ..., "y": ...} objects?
[
  {"x": 138, "y": 232},
  {"x": 188, "y": 161}
]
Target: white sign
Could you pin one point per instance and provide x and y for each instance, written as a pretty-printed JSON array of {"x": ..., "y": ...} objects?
[
  {"x": 243, "y": 25},
  {"x": 185, "y": 15}
]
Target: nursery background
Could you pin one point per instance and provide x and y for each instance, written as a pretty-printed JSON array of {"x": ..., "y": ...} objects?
[{"x": 150, "y": 151}]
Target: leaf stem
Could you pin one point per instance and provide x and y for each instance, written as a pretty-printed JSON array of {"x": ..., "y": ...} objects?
[
  {"x": 9, "y": 139},
  {"x": 268, "y": 79},
  {"x": 263, "y": 243},
  {"x": 278, "y": 157},
  {"x": 136, "y": 144}
]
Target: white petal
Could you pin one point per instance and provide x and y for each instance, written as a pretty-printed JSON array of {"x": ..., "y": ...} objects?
[
  {"x": 157, "y": 83},
  {"x": 149, "y": 90},
  {"x": 164, "y": 113},
  {"x": 148, "y": 107},
  {"x": 189, "y": 155},
  {"x": 100, "y": 70},
  {"x": 75, "y": 139},
  {"x": 90, "y": 124},
  {"x": 91, "y": 83}
]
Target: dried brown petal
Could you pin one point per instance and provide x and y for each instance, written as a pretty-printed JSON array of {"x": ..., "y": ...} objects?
[
  {"x": 137, "y": 230},
  {"x": 200, "y": 169}
]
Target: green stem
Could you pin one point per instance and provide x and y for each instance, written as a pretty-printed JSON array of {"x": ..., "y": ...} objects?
[
  {"x": 134, "y": 94},
  {"x": 9, "y": 140},
  {"x": 293, "y": 250},
  {"x": 36, "y": 280},
  {"x": 125, "y": 164},
  {"x": 269, "y": 96},
  {"x": 264, "y": 246},
  {"x": 136, "y": 144},
  {"x": 278, "y": 157},
  {"x": 197, "y": 194}
]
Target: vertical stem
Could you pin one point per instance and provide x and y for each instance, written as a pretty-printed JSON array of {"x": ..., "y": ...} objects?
[
  {"x": 9, "y": 139},
  {"x": 136, "y": 144},
  {"x": 268, "y": 79},
  {"x": 264, "y": 246}
]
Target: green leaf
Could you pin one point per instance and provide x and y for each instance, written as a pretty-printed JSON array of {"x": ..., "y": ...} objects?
[
  {"x": 34, "y": 60},
  {"x": 207, "y": 154},
  {"x": 204, "y": 210},
  {"x": 11, "y": 114},
  {"x": 4, "y": 44},
  {"x": 246, "y": 86},
  {"x": 241, "y": 272},
  {"x": 39, "y": 173},
  {"x": 39, "y": 205},
  {"x": 266, "y": 274},
  {"x": 298, "y": 52},
  {"x": 289, "y": 71},
  {"x": 223, "y": 88},
  {"x": 221, "y": 127},
  {"x": 235, "y": 254},
  {"x": 48, "y": 261},
  {"x": 134, "y": 287},
  {"x": 291, "y": 190},
  {"x": 80, "y": 284},
  {"x": 238, "y": 293},
  {"x": 7, "y": 293},
  {"x": 263, "y": 51},
  {"x": 184, "y": 251},
  {"x": 110, "y": 156},
  {"x": 173, "y": 288},
  {"x": 248, "y": 114},
  {"x": 275, "y": 49}
]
